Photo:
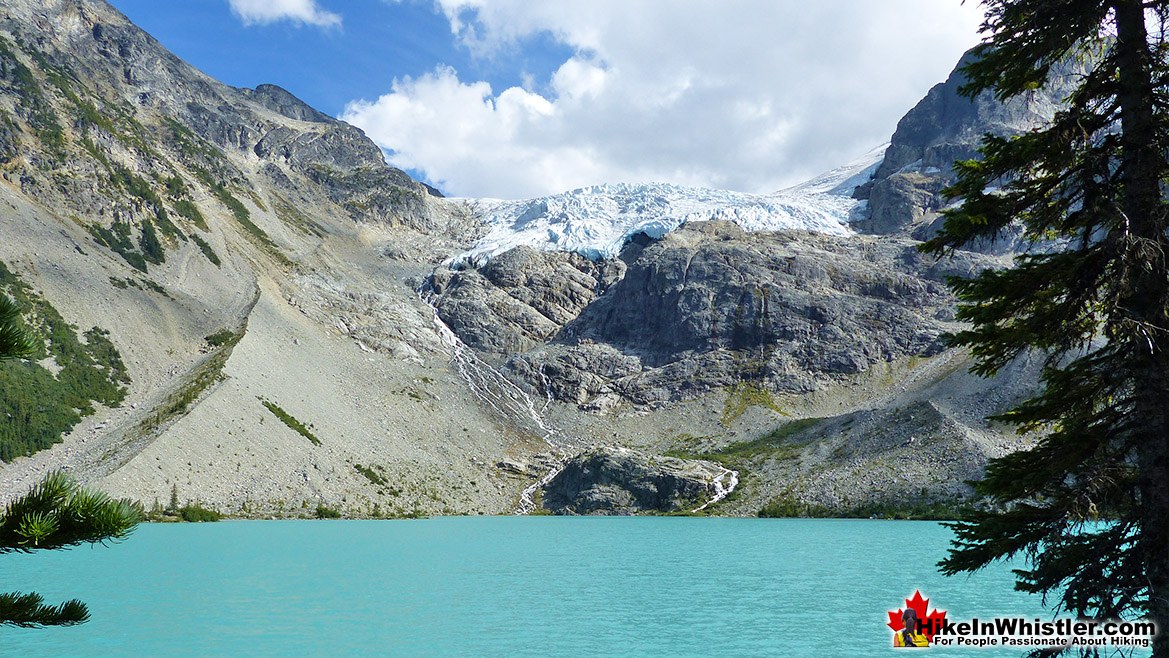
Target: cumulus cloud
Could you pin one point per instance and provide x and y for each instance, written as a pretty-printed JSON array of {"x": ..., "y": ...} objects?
[
  {"x": 262, "y": 12},
  {"x": 745, "y": 95}
]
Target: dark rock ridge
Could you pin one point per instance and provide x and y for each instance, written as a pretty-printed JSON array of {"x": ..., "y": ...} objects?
[
  {"x": 945, "y": 127},
  {"x": 282, "y": 102},
  {"x": 620, "y": 481}
]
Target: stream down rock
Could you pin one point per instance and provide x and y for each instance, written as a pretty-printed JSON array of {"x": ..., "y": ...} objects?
[{"x": 620, "y": 481}]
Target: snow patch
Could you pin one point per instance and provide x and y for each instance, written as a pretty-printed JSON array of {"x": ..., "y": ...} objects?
[{"x": 597, "y": 221}]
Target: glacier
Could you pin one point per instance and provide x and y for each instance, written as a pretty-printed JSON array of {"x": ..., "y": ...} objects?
[{"x": 597, "y": 221}]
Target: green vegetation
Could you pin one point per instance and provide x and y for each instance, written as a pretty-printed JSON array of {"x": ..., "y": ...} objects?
[
  {"x": 291, "y": 422},
  {"x": 290, "y": 215},
  {"x": 371, "y": 475},
  {"x": 774, "y": 445},
  {"x": 326, "y": 512},
  {"x": 922, "y": 509},
  {"x": 221, "y": 337},
  {"x": 237, "y": 208},
  {"x": 192, "y": 512},
  {"x": 203, "y": 376},
  {"x": 241, "y": 214},
  {"x": 15, "y": 343},
  {"x": 206, "y": 249},
  {"x": 179, "y": 401},
  {"x": 41, "y": 116},
  {"x": 742, "y": 396},
  {"x": 130, "y": 133},
  {"x": 1088, "y": 503},
  {"x": 189, "y": 144},
  {"x": 152, "y": 250},
  {"x": 117, "y": 239},
  {"x": 96, "y": 152},
  {"x": 37, "y": 406},
  {"x": 56, "y": 514},
  {"x": 140, "y": 189},
  {"x": 186, "y": 208},
  {"x": 145, "y": 284},
  {"x": 9, "y": 140},
  {"x": 196, "y": 513}
]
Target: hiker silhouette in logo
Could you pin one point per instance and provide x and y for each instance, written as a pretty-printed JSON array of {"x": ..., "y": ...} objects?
[{"x": 908, "y": 636}]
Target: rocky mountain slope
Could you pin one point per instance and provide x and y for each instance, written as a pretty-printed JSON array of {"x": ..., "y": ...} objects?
[
  {"x": 248, "y": 257},
  {"x": 257, "y": 284}
]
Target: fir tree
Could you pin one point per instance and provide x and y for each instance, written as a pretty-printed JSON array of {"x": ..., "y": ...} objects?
[
  {"x": 14, "y": 341},
  {"x": 57, "y": 513},
  {"x": 1088, "y": 505}
]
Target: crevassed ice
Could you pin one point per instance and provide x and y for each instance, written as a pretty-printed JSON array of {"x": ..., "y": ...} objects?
[{"x": 597, "y": 221}]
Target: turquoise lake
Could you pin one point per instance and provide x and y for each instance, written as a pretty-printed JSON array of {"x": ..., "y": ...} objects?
[{"x": 503, "y": 586}]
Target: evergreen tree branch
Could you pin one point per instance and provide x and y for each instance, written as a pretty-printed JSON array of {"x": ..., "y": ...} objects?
[
  {"x": 29, "y": 610},
  {"x": 58, "y": 513},
  {"x": 14, "y": 341}
]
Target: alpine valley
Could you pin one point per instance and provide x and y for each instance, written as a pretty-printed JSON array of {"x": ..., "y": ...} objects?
[{"x": 244, "y": 306}]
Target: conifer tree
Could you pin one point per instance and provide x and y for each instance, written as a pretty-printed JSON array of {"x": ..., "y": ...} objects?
[
  {"x": 57, "y": 513},
  {"x": 1088, "y": 505},
  {"x": 14, "y": 341}
]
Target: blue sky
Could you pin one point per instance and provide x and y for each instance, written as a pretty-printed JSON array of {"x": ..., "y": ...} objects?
[
  {"x": 519, "y": 98},
  {"x": 329, "y": 66}
]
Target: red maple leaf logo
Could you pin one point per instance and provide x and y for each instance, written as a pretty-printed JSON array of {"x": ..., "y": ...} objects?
[{"x": 919, "y": 606}]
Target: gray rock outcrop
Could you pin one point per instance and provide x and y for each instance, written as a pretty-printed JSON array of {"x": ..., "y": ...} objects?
[
  {"x": 520, "y": 298},
  {"x": 619, "y": 481},
  {"x": 706, "y": 307},
  {"x": 943, "y": 128}
]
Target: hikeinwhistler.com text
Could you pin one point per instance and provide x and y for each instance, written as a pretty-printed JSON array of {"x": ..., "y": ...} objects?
[{"x": 1021, "y": 632}]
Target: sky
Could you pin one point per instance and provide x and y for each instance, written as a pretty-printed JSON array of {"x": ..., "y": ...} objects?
[{"x": 523, "y": 98}]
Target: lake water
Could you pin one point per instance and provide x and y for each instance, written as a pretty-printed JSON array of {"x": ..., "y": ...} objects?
[{"x": 502, "y": 586}]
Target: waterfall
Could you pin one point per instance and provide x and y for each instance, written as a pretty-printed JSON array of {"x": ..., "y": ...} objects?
[
  {"x": 721, "y": 490},
  {"x": 498, "y": 392}
]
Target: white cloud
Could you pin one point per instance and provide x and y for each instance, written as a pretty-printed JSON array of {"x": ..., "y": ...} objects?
[
  {"x": 262, "y": 12},
  {"x": 749, "y": 95}
]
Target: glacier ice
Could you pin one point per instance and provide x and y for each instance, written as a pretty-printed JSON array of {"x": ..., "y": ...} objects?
[{"x": 597, "y": 221}]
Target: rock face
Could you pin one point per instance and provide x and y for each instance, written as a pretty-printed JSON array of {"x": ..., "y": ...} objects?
[
  {"x": 834, "y": 325},
  {"x": 710, "y": 306},
  {"x": 618, "y": 481},
  {"x": 706, "y": 307},
  {"x": 521, "y": 298},
  {"x": 945, "y": 127}
]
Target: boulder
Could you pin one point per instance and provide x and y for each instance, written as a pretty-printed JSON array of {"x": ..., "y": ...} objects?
[{"x": 617, "y": 481}]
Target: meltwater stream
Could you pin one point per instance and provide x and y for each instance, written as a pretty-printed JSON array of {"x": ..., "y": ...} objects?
[{"x": 498, "y": 392}]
